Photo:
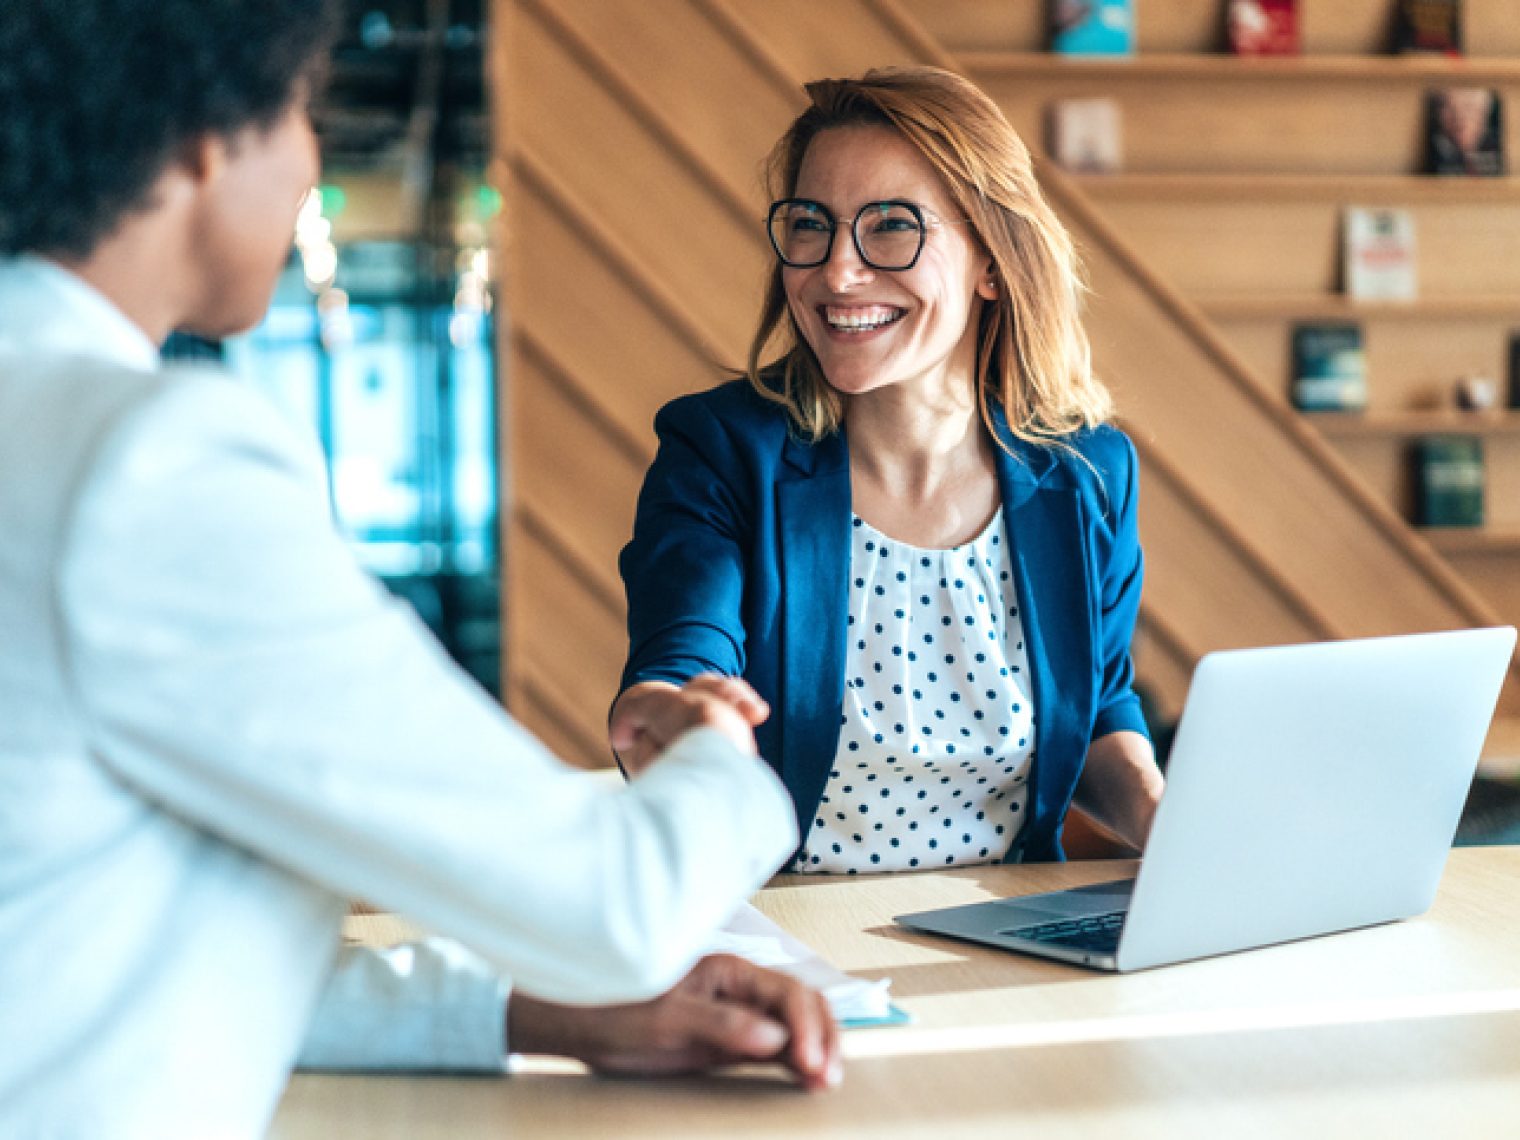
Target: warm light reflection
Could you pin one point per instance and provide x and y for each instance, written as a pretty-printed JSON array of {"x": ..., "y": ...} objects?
[
  {"x": 894, "y": 1042},
  {"x": 335, "y": 320},
  {"x": 319, "y": 256}
]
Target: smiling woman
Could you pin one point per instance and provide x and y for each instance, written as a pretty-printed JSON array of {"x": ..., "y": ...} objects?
[{"x": 911, "y": 532}]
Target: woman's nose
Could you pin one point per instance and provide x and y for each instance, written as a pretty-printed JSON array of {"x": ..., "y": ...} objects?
[{"x": 844, "y": 267}]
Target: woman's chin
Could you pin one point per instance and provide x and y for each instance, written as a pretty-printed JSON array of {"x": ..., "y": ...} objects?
[{"x": 850, "y": 383}]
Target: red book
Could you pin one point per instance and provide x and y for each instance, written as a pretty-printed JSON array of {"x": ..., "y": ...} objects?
[{"x": 1263, "y": 27}]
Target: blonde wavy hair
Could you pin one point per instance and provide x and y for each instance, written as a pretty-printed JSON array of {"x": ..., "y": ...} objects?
[{"x": 1033, "y": 356}]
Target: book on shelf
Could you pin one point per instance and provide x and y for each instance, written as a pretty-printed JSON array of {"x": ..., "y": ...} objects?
[
  {"x": 1428, "y": 26},
  {"x": 1464, "y": 131},
  {"x": 1263, "y": 27},
  {"x": 1329, "y": 368},
  {"x": 1092, "y": 27},
  {"x": 1378, "y": 254},
  {"x": 1514, "y": 370},
  {"x": 1449, "y": 480},
  {"x": 1085, "y": 134}
]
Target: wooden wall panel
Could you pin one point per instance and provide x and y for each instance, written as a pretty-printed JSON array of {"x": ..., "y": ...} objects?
[
  {"x": 703, "y": 77},
  {"x": 1493, "y": 573},
  {"x": 573, "y": 641},
  {"x": 1213, "y": 595},
  {"x": 603, "y": 328},
  {"x": 813, "y": 40},
  {"x": 1385, "y": 464},
  {"x": 617, "y": 172},
  {"x": 588, "y": 503}
]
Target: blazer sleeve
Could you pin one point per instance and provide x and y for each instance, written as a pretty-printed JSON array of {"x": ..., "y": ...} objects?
[
  {"x": 234, "y": 666},
  {"x": 429, "y": 1005},
  {"x": 1121, "y": 576},
  {"x": 684, "y": 569}
]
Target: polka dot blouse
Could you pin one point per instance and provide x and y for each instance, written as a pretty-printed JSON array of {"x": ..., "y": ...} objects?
[{"x": 936, "y": 736}]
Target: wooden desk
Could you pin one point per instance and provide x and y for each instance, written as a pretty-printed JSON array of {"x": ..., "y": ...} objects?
[{"x": 1409, "y": 1030}]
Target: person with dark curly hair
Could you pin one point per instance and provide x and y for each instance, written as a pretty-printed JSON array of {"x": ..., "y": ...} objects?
[{"x": 214, "y": 729}]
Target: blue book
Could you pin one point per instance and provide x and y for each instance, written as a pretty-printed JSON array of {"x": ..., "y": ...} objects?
[
  {"x": 1449, "y": 480},
  {"x": 1329, "y": 368},
  {"x": 1092, "y": 27}
]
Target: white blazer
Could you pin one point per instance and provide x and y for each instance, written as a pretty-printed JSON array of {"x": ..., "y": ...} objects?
[{"x": 215, "y": 729}]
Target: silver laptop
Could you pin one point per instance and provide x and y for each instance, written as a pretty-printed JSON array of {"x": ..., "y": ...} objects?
[{"x": 1310, "y": 789}]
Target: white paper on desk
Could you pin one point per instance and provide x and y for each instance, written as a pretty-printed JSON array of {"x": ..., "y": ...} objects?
[{"x": 751, "y": 935}]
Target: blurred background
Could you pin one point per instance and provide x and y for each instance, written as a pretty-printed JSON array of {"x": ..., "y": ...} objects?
[{"x": 381, "y": 335}]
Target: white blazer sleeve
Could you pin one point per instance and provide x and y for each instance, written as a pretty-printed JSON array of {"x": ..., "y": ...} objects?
[
  {"x": 234, "y": 664},
  {"x": 429, "y": 1005}
]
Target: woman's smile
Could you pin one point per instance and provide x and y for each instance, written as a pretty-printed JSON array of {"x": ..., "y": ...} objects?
[{"x": 857, "y": 321}]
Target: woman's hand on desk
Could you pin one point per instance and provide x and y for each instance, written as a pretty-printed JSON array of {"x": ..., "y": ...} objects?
[
  {"x": 647, "y": 717},
  {"x": 725, "y": 1011}
]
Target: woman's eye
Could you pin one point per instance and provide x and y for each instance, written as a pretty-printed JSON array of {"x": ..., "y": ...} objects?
[{"x": 809, "y": 225}]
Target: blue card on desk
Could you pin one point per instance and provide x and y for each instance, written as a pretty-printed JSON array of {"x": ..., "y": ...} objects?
[{"x": 895, "y": 1015}]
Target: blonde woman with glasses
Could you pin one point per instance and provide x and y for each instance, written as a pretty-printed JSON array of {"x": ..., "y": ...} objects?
[{"x": 904, "y": 546}]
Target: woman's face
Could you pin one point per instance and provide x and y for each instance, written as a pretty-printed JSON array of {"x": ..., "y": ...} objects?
[
  {"x": 873, "y": 329},
  {"x": 247, "y": 221}
]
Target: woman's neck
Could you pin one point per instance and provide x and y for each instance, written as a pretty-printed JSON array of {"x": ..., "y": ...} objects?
[{"x": 921, "y": 471}]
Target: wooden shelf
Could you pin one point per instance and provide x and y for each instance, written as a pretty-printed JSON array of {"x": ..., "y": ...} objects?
[
  {"x": 1472, "y": 540},
  {"x": 1432, "y": 422},
  {"x": 1333, "y": 306},
  {"x": 1355, "y": 189},
  {"x": 1224, "y": 68}
]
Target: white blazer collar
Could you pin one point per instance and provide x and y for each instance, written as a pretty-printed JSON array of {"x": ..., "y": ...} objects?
[{"x": 46, "y": 309}]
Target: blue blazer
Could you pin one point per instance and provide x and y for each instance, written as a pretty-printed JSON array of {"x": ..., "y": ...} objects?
[{"x": 739, "y": 564}]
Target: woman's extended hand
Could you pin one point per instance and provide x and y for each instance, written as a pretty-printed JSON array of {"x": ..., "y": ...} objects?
[{"x": 647, "y": 717}]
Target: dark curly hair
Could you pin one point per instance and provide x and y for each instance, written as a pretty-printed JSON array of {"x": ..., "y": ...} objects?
[{"x": 97, "y": 97}]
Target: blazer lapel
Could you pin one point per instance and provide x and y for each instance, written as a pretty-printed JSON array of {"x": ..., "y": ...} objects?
[
  {"x": 1044, "y": 532},
  {"x": 813, "y": 514}
]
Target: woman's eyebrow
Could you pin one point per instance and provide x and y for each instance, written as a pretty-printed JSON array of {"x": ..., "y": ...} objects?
[{"x": 927, "y": 207}]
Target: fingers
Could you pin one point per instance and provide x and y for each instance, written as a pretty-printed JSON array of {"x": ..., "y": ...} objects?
[
  {"x": 736, "y": 691},
  {"x": 729, "y": 1031},
  {"x": 758, "y": 995},
  {"x": 635, "y": 729},
  {"x": 632, "y": 711},
  {"x": 725, "y": 1010},
  {"x": 649, "y": 716}
]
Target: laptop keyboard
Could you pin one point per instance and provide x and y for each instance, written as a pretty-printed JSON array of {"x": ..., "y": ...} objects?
[{"x": 1095, "y": 932}]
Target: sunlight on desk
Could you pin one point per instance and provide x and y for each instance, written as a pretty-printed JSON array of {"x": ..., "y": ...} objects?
[
  {"x": 1405, "y": 1030},
  {"x": 970, "y": 1039}
]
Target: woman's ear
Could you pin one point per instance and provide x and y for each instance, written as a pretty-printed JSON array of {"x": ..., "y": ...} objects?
[{"x": 987, "y": 284}]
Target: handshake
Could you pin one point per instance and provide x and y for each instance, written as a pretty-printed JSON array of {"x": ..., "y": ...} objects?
[
  {"x": 649, "y": 716},
  {"x": 726, "y": 1009}
]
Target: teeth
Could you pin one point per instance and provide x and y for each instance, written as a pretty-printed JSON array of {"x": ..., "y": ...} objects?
[{"x": 861, "y": 319}]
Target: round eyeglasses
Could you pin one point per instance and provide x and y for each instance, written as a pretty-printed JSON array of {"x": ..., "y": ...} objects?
[{"x": 888, "y": 235}]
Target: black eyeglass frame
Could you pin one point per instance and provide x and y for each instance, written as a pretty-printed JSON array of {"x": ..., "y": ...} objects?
[{"x": 828, "y": 250}]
